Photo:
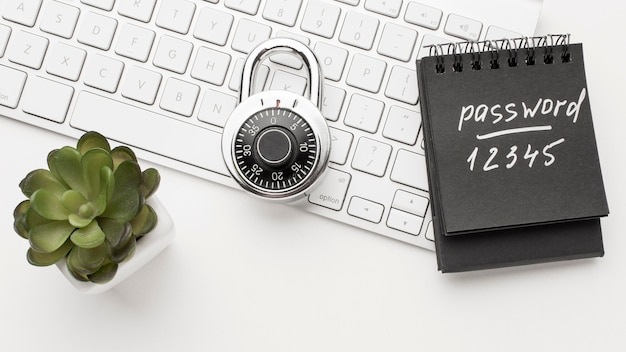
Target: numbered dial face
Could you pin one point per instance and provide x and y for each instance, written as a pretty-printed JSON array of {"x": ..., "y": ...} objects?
[{"x": 275, "y": 150}]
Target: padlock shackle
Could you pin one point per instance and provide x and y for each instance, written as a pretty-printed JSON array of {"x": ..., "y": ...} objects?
[{"x": 288, "y": 46}]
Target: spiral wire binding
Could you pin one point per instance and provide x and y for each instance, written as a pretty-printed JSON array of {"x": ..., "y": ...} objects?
[{"x": 530, "y": 49}]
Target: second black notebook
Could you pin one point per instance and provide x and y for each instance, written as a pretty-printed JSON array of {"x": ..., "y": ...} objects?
[{"x": 509, "y": 137}]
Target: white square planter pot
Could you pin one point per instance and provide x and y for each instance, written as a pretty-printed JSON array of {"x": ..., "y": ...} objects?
[{"x": 148, "y": 247}]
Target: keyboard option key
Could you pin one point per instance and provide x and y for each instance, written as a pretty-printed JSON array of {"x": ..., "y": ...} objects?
[
  {"x": 331, "y": 193},
  {"x": 11, "y": 86},
  {"x": 365, "y": 209}
]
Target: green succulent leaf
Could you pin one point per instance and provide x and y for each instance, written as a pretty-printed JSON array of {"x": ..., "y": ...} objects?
[
  {"x": 49, "y": 237},
  {"x": 90, "y": 236},
  {"x": 72, "y": 200},
  {"x": 92, "y": 140},
  {"x": 150, "y": 180},
  {"x": 46, "y": 204},
  {"x": 90, "y": 259},
  {"x": 127, "y": 176},
  {"x": 41, "y": 179},
  {"x": 117, "y": 232},
  {"x": 104, "y": 274},
  {"x": 145, "y": 221},
  {"x": 19, "y": 217},
  {"x": 75, "y": 267},
  {"x": 33, "y": 219},
  {"x": 121, "y": 154},
  {"x": 107, "y": 187},
  {"x": 126, "y": 200},
  {"x": 65, "y": 163},
  {"x": 123, "y": 252},
  {"x": 93, "y": 161},
  {"x": 44, "y": 259},
  {"x": 124, "y": 206}
]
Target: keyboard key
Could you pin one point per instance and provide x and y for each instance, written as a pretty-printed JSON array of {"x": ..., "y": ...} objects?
[
  {"x": 23, "y": 12},
  {"x": 139, "y": 10},
  {"x": 141, "y": 84},
  {"x": 213, "y": 26},
  {"x": 65, "y": 61},
  {"x": 249, "y": 34},
  {"x": 216, "y": 107},
  {"x": 364, "y": 113},
  {"x": 422, "y": 15},
  {"x": 101, "y": 4},
  {"x": 389, "y": 8},
  {"x": 172, "y": 54},
  {"x": 287, "y": 81},
  {"x": 135, "y": 42},
  {"x": 332, "y": 101},
  {"x": 97, "y": 30},
  {"x": 402, "y": 125},
  {"x": 282, "y": 11},
  {"x": 176, "y": 15},
  {"x": 11, "y": 86},
  {"x": 402, "y": 85},
  {"x": 463, "y": 27},
  {"x": 405, "y": 222},
  {"x": 359, "y": 30},
  {"x": 397, "y": 42},
  {"x": 59, "y": 19},
  {"x": 366, "y": 73},
  {"x": 320, "y": 18},
  {"x": 179, "y": 97},
  {"x": 210, "y": 66},
  {"x": 27, "y": 49},
  {"x": 332, "y": 59},
  {"x": 365, "y": 209},
  {"x": 5, "y": 33},
  {"x": 410, "y": 203},
  {"x": 149, "y": 131},
  {"x": 58, "y": 98},
  {"x": 340, "y": 145},
  {"x": 410, "y": 169},
  {"x": 103, "y": 73},
  {"x": 251, "y": 7},
  {"x": 371, "y": 156},
  {"x": 331, "y": 193}
]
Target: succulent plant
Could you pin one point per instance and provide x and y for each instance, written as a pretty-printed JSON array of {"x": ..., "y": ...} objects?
[{"x": 88, "y": 209}]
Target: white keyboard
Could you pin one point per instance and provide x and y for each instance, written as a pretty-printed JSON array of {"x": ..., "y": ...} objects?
[{"x": 162, "y": 76}]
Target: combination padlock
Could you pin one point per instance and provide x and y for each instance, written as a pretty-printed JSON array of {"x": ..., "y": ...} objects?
[{"x": 276, "y": 143}]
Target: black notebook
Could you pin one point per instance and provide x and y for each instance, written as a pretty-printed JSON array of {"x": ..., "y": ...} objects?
[{"x": 510, "y": 144}]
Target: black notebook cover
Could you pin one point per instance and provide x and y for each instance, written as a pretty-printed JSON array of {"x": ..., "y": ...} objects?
[
  {"x": 512, "y": 146},
  {"x": 512, "y": 160}
]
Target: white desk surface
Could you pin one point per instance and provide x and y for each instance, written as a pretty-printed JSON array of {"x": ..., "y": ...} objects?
[{"x": 241, "y": 276}]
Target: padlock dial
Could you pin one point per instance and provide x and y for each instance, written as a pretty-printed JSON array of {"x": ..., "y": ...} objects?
[{"x": 275, "y": 149}]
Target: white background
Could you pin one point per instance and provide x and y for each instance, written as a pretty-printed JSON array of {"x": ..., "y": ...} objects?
[{"x": 241, "y": 276}]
